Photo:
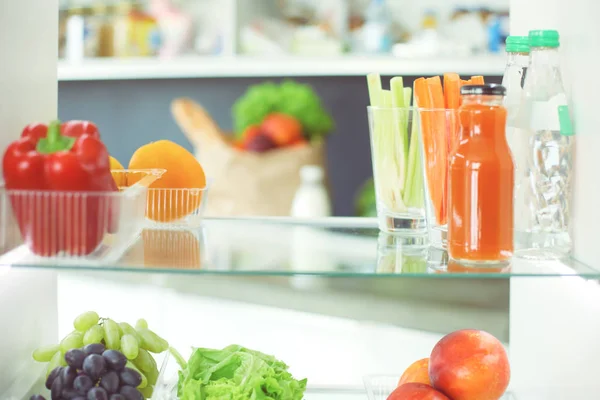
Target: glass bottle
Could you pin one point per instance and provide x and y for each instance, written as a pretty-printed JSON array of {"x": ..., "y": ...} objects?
[
  {"x": 481, "y": 181},
  {"x": 311, "y": 199},
  {"x": 543, "y": 206},
  {"x": 517, "y": 50}
]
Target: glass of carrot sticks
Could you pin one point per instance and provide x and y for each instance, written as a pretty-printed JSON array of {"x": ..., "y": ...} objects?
[
  {"x": 437, "y": 102},
  {"x": 396, "y": 158}
]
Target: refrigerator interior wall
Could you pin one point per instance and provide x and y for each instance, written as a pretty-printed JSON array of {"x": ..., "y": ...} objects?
[
  {"x": 28, "y": 93},
  {"x": 578, "y": 25}
]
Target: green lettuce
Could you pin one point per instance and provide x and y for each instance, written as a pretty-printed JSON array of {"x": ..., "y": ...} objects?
[{"x": 237, "y": 373}]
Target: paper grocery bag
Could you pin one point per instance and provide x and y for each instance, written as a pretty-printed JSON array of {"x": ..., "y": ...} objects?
[{"x": 243, "y": 183}]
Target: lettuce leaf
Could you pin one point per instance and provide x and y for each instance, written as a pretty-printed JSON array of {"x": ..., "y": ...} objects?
[{"x": 237, "y": 373}]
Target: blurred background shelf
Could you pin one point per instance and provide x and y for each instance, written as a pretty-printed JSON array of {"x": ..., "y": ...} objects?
[{"x": 281, "y": 66}]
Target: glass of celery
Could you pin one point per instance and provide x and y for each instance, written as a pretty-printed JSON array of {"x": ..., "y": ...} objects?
[{"x": 396, "y": 158}]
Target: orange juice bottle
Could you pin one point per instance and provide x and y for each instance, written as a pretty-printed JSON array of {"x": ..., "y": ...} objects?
[{"x": 481, "y": 176}]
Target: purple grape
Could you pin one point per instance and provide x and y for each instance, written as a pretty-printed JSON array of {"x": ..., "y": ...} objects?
[
  {"x": 75, "y": 357},
  {"x": 38, "y": 397},
  {"x": 83, "y": 383},
  {"x": 68, "y": 375},
  {"x": 117, "y": 397},
  {"x": 70, "y": 394},
  {"x": 131, "y": 377},
  {"x": 131, "y": 393},
  {"x": 115, "y": 359},
  {"x": 79, "y": 398},
  {"x": 97, "y": 393},
  {"x": 57, "y": 387},
  {"x": 94, "y": 366},
  {"x": 94, "y": 348},
  {"x": 110, "y": 382},
  {"x": 52, "y": 376}
]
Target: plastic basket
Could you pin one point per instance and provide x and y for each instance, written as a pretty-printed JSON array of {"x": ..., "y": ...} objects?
[
  {"x": 176, "y": 208},
  {"x": 73, "y": 227},
  {"x": 379, "y": 387},
  {"x": 168, "y": 208}
]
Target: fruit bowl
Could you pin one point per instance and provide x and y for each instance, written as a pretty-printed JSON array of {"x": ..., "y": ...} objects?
[{"x": 379, "y": 387}]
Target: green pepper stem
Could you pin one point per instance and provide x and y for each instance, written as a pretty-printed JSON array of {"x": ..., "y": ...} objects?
[{"x": 54, "y": 140}]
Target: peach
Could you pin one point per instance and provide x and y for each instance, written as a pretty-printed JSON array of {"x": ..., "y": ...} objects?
[
  {"x": 416, "y": 391},
  {"x": 417, "y": 372},
  {"x": 469, "y": 365}
]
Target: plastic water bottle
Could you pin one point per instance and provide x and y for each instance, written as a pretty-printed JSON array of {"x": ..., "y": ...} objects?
[
  {"x": 517, "y": 50},
  {"x": 543, "y": 207},
  {"x": 311, "y": 199}
]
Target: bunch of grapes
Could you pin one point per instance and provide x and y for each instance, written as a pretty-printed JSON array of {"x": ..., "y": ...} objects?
[
  {"x": 93, "y": 373},
  {"x": 135, "y": 344}
]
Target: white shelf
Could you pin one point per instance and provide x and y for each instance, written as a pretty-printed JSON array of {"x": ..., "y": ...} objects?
[{"x": 289, "y": 66}]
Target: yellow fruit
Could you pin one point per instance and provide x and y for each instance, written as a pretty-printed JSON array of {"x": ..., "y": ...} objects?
[
  {"x": 118, "y": 177},
  {"x": 183, "y": 171}
]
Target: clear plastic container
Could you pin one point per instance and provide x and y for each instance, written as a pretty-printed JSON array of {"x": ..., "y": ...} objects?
[
  {"x": 170, "y": 208},
  {"x": 176, "y": 208},
  {"x": 72, "y": 228},
  {"x": 379, "y": 387}
]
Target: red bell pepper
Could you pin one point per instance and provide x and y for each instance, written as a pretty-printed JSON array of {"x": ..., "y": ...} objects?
[
  {"x": 70, "y": 128},
  {"x": 58, "y": 189}
]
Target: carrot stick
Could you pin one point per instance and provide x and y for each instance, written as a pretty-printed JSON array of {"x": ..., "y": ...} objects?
[
  {"x": 440, "y": 134},
  {"x": 452, "y": 84},
  {"x": 434, "y": 144},
  {"x": 477, "y": 80}
]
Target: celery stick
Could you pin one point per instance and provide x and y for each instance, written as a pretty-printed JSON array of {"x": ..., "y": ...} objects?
[
  {"x": 407, "y": 95},
  {"x": 374, "y": 85},
  {"x": 397, "y": 89},
  {"x": 401, "y": 146},
  {"x": 413, "y": 161},
  {"x": 388, "y": 170}
]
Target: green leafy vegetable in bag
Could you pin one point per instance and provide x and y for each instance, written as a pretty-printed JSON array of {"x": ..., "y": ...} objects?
[{"x": 292, "y": 98}]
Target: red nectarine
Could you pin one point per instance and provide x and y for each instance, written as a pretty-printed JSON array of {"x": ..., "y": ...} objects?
[
  {"x": 469, "y": 365},
  {"x": 417, "y": 372},
  {"x": 416, "y": 391}
]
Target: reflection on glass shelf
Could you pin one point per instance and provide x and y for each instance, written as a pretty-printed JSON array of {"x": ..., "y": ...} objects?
[{"x": 279, "y": 246}]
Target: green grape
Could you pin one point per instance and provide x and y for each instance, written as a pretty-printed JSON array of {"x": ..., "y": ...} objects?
[
  {"x": 129, "y": 330},
  {"x": 54, "y": 362},
  {"x": 144, "y": 361},
  {"x": 111, "y": 334},
  {"x": 45, "y": 353},
  {"x": 151, "y": 341},
  {"x": 152, "y": 375},
  {"x": 129, "y": 346},
  {"x": 73, "y": 340},
  {"x": 144, "y": 379},
  {"x": 147, "y": 392},
  {"x": 141, "y": 324},
  {"x": 85, "y": 321},
  {"x": 93, "y": 335}
]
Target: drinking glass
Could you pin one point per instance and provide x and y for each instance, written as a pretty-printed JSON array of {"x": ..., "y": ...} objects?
[
  {"x": 399, "y": 189},
  {"x": 438, "y": 133}
]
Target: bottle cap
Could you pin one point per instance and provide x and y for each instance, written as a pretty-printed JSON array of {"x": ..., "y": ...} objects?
[
  {"x": 311, "y": 173},
  {"x": 544, "y": 38},
  {"x": 517, "y": 44},
  {"x": 483, "y": 90}
]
